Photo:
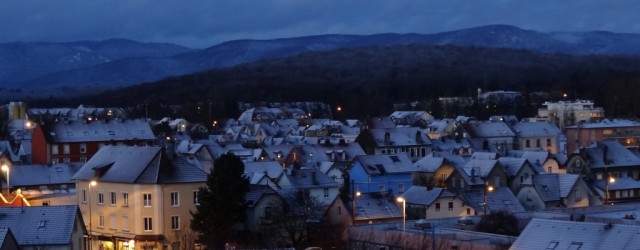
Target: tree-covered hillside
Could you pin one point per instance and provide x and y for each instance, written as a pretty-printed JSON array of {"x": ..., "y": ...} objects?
[{"x": 367, "y": 81}]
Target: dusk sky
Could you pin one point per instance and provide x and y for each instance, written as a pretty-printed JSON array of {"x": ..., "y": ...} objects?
[{"x": 203, "y": 23}]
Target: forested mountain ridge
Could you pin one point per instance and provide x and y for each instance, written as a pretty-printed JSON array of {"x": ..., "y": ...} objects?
[
  {"x": 56, "y": 70},
  {"x": 367, "y": 81}
]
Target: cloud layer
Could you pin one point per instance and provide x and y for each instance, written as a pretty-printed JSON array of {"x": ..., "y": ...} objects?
[{"x": 203, "y": 23}]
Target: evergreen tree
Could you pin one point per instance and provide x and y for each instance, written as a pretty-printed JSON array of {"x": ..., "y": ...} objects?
[{"x": 222, "y": 202}]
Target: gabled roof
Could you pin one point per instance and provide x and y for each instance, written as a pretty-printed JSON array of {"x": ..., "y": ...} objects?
[
  {"x": 559, "y": 235},
  {"x": 272, "y": 168},
  {"x": 385, "y": 164},
  {"x": 536, "y": 129},
  {"x": 256, "y": 192},
  {"x": 512, "y": 165},
  {"x": 500, "y": 199},
  {"x": 376, "y": 206},
  {"x": 309, "y": 178},
  {"x": 624, "y": 183},
  {"x": 617, "y": 155},
  {"x": 79, "y": 131},
  {"x": 126, "y": 164},
  {"x": 43, "y": 174},
  {"x": 553, "y": 187},
  {"x": 488, "y": 129},
  {"x": 424, "y": 196},
  {"x": 42, "y": 225},
  {"x": 405, "y": 136}
]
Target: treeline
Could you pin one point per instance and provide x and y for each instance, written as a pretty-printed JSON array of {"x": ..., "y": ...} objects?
[{"x": 368, "y": 81}]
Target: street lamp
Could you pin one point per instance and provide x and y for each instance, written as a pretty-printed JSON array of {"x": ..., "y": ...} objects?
[
  {"x": 488, "y": 188},
  {"x": 5, "y": 168},
  {"x": 606, "y": 188},
  {"x": 353, "y": 207},
  {"x": 91, "y": 184},
  {"x": 404, "y": 213}
]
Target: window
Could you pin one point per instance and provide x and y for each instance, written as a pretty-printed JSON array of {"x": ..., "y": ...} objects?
[
  {"x": 112, "y": 224},
  {"x": 339, "y": 210},
  {"x": 100, "y": 198},
  {"x": 55, "y": 160},
  {"x": 113, "y": 198},
  {"x": 401, "y": 187},
  {"x": 548, "y": 142},
  {"x": 326, "y": 192},
  {"x": 125, "y": 199},
  {"x": 527, "y": 143},
  {"x": 175, "y": 199},
  {"x": 549, "y": 169},
  {"x": 83, "y": 148},
  {"x": 175, "y": 222},
  {"x": 381, "y": 188},
  {"x": 437, "y": 206},
  {"x": 125, "y": 223},
  {"x": 66, "y": 149},
  {"x": 496, "y": 181},
  {"x": 451, "y": 206},
  {"x": 54, "y": 149},
  {"x": 538, "y": 143},
  {"x": 147, "y": 200},
  {"x": 148, "y": 224},
  {"x": 453, "y": 182},
  {"x": 83, "y": 159},
  {"x": 101, "y": 221},
  {"x": 196, "y": 198},
  {"x": 468, "y": 211},
  {"x": 84, "y": 196}
]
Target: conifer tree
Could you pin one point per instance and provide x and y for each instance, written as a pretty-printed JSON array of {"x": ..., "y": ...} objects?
[{"x": 222, "y": 202}]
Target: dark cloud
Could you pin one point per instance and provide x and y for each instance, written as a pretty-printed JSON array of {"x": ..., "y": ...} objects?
[{"x": 201, "y": 23}]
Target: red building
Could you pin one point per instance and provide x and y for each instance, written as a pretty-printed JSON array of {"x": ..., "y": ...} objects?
[{"x": 77, "y": 141}]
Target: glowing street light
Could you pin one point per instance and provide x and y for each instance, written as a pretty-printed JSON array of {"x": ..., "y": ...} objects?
[
  {"x": 610, "y": 180},
  {"x": 5, "y": 168},
  {"x": 353, "y": 206},
  {"x": 404, "y": 213},
  {"x": 91, "y": 184},
  {"x": 488, "y": 188}
]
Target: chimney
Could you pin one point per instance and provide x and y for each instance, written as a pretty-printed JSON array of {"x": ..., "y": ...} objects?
[
  {"x": 169, "y": 149},
  {"x": 473, "y": 174},
  {"x": 387, "y": 138}
]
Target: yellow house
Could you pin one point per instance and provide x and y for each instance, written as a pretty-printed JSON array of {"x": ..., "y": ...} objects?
[
  {"x": 138, "y": 198},
  {"x": 434, "y": 203}
]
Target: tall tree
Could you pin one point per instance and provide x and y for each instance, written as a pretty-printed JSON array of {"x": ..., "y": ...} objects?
[{"x": 222, "y": 202}]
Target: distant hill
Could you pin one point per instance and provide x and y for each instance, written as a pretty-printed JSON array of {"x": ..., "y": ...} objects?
[
  {"x": 43, "y": 69},
  {"x": 367, "y": 81}
]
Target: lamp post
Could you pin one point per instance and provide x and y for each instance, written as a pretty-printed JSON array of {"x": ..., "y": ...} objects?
[
  {"x": 91, "y": 184},
  {"x": 5, "y": 168},
  {"x": 353, "y": 207},
  {"x": 606, "y": 188},
  {"x": 404, "y": 213},
  {"x": 488, "y": 188}
]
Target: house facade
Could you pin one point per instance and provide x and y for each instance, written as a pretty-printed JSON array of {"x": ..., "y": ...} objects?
[
  {"x": 382, "y": 173},
  {"x": 583, "y": 135},
  {"x": 78, "y": 140},
  {"x": 434, "y": 203},
  {"x": 547, "y": 191},
  {"x": 404, "y": 140},
  {"x": 141, "y": 194}
]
